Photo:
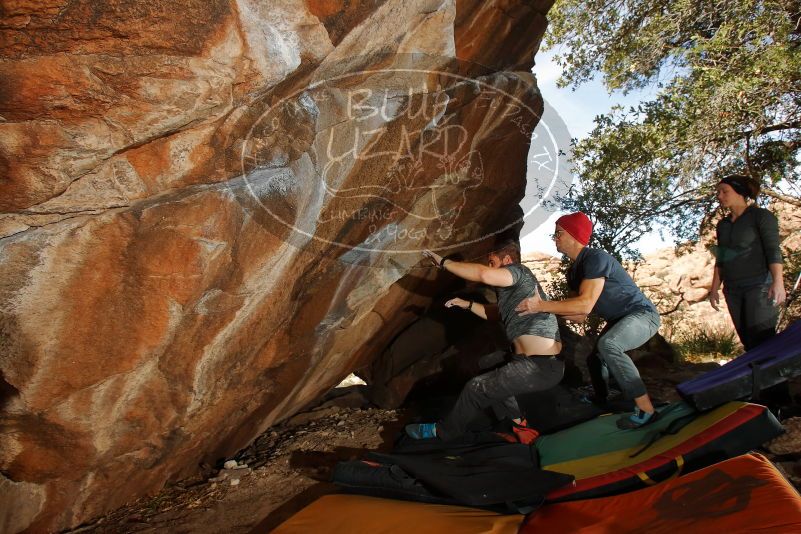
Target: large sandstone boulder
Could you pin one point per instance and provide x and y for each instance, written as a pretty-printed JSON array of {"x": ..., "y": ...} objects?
[{"x": 212, "y": 212}]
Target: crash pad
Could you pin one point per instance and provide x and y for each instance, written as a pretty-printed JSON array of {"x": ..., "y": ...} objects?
[
  {"x": 356, "y": 514},
  {"x": 771, "y": 363},
  {"x": 742, "y": 494},
  {"x": 606, "y": 460}
]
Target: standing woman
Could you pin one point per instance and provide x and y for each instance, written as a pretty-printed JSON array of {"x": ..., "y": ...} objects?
[{"x": 748, "y": 262}]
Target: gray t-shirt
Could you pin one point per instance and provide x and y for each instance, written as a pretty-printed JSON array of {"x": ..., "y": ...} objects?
[
  {"x": 536, "y": 324},
  {"x": 746, "y": 247}
]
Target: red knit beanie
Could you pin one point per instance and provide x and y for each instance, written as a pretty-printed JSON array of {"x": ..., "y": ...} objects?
[{"x": 577, "y": 225}]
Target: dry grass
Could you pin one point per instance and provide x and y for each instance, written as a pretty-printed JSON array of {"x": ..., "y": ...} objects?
[{"x": 707, "y": 344}]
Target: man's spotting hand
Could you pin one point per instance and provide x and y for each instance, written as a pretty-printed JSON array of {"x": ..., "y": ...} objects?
[{"x": 532, "y": 304}]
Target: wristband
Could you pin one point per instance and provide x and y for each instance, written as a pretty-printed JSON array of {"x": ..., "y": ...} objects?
[
  {"x": 470, "y": 306},
  {"x": 442, "y": 262}
]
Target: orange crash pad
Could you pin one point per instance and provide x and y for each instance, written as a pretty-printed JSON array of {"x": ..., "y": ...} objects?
[
  {"x": 742, "y": 494},
  {"x": 358, "y": 514}
]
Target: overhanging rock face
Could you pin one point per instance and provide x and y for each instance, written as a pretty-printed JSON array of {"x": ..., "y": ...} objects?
[{"x": 212, "y": 211}]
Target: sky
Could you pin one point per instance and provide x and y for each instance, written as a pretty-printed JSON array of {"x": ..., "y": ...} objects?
[{"x": 577, "y": 108}]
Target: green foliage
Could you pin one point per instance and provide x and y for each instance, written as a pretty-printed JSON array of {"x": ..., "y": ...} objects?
[
  {"x": 728, "y": 76},
  {"x": 697, "y": 345}
]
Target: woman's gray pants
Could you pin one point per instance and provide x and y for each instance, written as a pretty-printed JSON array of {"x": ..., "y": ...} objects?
[{"x": 752, "y": 313}]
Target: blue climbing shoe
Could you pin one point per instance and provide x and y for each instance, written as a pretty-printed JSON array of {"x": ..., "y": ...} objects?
[
  {"x": 636, "y": 420},
  {"x": 422, "y": 430}
]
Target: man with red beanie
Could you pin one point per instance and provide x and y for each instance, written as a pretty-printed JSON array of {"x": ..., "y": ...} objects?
[{"x": 599, "y": 285}]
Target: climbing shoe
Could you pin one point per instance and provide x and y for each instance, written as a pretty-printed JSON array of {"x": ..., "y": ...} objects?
[
  {"x": 637, "y": 419},
  {"x": 422, "y": 430},
  {"x": 524, "y": 433}
]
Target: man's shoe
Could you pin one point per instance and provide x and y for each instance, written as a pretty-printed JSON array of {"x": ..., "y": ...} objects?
[
  {"x": 422, "y": 430},
  {"x": 636, "y": 420}
]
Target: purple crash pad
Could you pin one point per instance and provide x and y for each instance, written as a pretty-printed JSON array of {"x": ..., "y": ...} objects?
[{"x": 772, "y": 362}]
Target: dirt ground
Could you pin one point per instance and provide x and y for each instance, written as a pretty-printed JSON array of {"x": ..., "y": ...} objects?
[
  {"x": 285, "y": 469},
  {"x": 288, "y": 466}
]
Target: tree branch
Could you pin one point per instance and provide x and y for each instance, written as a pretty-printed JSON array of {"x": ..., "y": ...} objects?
[
  {"x": 795, "y": 201},
  {"x": 792, "y": 125}
]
